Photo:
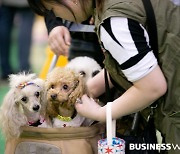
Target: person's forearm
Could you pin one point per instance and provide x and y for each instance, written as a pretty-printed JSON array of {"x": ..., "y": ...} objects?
[
  {"x": 96, "y": 85},
  {"x": 139, "y": 96},
  {"x": 52, "y": 21}
]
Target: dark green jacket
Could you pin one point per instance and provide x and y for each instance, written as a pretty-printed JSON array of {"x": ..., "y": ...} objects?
[{"x": 168, "y": 26}]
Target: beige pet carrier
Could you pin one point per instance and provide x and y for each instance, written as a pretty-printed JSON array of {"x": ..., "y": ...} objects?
[{"x": 69, "y": 140}]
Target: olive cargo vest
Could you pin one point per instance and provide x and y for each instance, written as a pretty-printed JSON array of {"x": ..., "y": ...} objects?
[{"x": 167, "y": 16}]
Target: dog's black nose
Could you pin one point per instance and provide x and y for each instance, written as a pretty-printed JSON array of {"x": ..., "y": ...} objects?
[
  {"x": 36, "y": 107},
  {"x": 54, "y": 96}
]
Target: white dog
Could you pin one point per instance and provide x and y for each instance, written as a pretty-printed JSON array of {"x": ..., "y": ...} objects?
[
  {"x": 23, "y": 105},
  {"x": 85, "y": 66}
]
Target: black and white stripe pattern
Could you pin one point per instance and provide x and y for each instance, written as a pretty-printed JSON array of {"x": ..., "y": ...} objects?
[{"x": 128, "y": 43}]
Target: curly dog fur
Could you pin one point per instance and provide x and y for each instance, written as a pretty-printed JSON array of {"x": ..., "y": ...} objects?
[
  {"x": 63, "y": 86},
  {"x": 23, "y": 104},
  {"x": 87, "y": 67}
]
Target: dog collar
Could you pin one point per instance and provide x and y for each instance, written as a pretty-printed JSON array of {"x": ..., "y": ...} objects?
[
  {"x": 24, "y": 84},
  {"x": 36, "y": 123},
  {"x": 67, "y": 119}
]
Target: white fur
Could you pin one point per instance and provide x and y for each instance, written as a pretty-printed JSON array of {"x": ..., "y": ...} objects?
[
  {"x": 15, "y": 112},
  {"x": 86, "y": 64},
  {"x": 89, "y": 66}
]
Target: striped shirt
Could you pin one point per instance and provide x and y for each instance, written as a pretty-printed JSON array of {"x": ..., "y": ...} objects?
[{"x": 128, "y": 43}]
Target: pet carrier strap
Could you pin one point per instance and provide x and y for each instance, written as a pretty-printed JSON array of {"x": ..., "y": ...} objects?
[
  {"x": 152, "y": 32},
  {"x": 151, "y": 26},
  {"x": 110, "y": 124}
]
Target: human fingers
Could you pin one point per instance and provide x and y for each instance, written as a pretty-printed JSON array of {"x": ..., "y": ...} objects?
[
  {"x": 78, "y": 100},
  {"x": 59, "y": 40},
  {"x": 57, "y": 49},
  {"x": 54, "y": 42},
  {"x": 67, "y": 37},
  {"x": 61, "y": 47},
  {"x": 82, "y": 103},
  {"x": 87, "y": 107}
]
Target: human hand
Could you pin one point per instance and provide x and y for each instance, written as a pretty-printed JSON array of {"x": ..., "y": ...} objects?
[
  {"x": 59, "y": 40},
  {"x": 88, "y": 108}
]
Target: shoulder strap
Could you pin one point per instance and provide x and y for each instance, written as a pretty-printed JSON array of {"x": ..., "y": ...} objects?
[
  {"x": 152, "y": 31},
  {"x": 151, "y": 26}
]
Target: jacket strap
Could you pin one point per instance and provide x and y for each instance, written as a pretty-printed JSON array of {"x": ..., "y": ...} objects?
[{"x": 151, "y": 26}]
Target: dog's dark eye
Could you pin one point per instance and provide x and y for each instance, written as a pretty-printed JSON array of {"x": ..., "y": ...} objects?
[
  {"x": 82, "y": 73},
  {"x": 52, "y": 86},
  {"x": 37, "y": 94},
  {"x": 65, "y": 87},
  {"x": 95, "y": 73},
  {"x": 24, "y": 99}
]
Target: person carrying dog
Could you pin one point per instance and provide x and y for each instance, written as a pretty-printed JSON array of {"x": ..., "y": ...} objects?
[{"x": 129, "y": 59}]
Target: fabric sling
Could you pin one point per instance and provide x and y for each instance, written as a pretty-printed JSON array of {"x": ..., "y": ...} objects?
[{"x": 151, "y": 26}]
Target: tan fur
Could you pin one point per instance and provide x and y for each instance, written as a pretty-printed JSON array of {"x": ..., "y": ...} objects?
[{"x": 63, "y": 104}]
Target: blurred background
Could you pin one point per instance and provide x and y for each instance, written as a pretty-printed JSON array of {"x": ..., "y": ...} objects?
[{"x": 37, "y": 55}]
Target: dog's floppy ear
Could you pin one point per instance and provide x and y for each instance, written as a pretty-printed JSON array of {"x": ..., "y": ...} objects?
[
  {"x": 51, "y": 110},
  {"x": 10, "y": 118},
  {"x": 78, "y": 91}
]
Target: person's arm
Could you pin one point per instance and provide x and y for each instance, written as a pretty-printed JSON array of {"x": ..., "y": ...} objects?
[
  {"x": 59, "y": 36},
  {"x": 127, "y": 42},
  {"x": 143, "y": 92}
]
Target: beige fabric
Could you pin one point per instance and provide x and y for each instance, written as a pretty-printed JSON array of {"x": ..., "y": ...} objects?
[
  {"x": 68, "y": 140},
  {"x": 34, "y": 147}
]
